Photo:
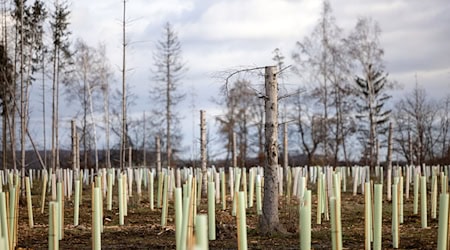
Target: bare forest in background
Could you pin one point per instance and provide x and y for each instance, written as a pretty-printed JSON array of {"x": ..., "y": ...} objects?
[{"x": 338, "y": 106}]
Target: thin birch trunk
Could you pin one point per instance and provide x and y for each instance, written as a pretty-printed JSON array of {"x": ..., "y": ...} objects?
[{"x": 203, "y": 152}]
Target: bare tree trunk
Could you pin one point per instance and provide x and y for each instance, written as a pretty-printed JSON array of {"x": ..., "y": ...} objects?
[
  {"x": 86, "y": 152},
  {"x": 4, "y": 139},
  {"x": 233, "y": 150},
  {"x": 4, "y": 90},
  {"x": 203, "y": 152},
  {"x": 285, "y": 148},
  {"x": 410, "y": 146},
  {"x": 269, "y": 221},
  {"x": 168, "y": 116},
  {"x": 22, "y": 99},
  {"x": 372, "y": 123},
  {"x": 158, "y": 155},
  {"x": 57, "y": 113},
  {"x": 123, "y": 141},
  {"x": 389, "y": 149},
  {"x": 54, "y": 112},
  {"x": 94, "y": 131},
  {"x": 339, "y": 135},
  {"x": 74, "y": 146},
  {"x": 144, "y": 153},
  {"x": 43, "y": 111},
  {"x": 445, "y": 126},
  {"x": 107, "y": 128}
]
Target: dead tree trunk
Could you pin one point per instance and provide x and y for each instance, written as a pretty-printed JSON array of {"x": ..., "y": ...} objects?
[
  {"x": 203, "y": 152},
  {"x": 144, "y": 141},
  {"x": 389, "y": 149},
  {"x": 123, "y": 141},
  {"x": 285, "y": 148},
  {"x": 74, "y": 146},
  {"x": 269, "y": 221},
  {"x": 233, "y": 150},
  {"x": 22, "y": 102},
  {"x": 105, "y": 89},
  {"x": 158, "y": 156}
]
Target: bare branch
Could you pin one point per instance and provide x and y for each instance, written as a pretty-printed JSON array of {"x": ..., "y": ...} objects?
[
  {"x": 227, "y": 79},
  {"x": 283, "y": 69},
  {"x": 298, "y": 92}
]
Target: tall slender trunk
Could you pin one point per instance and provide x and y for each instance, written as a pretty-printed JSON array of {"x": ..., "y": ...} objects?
[
  {"x": 168, "y": 112},
  {"x": 22, "y": 99},
  {"x": 372, "y": 123},
  {"x": 325, "y": 88},
  {"x": 123, "y": 141},
  {"x": 57, "y": 114},
  {"x": 94, "y": 131},
  {"x": 4, "y": 139},
  {"x": 158, "y": 155},
  {"x": 85, "y": 143},
  {"x": 54, "y": 107},
  {"x": 285, "y": 147},
  {"x": 14, "y": 107},
  {"x": 11, "y": 128},
  {"x": 106, "y": 111},
  {"x": 43, "y": 110},
  {"x": 203, "y": 152},
  {"x": 5, "y": 89},
  {"x": 233, "y": 149},
  {"x": 74, "y": 146},
  {"x": 389, "y": 150},
  {"x": 144, "y": 153}
]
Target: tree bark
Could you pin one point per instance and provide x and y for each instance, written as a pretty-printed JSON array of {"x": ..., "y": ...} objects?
[{"x": 269, "y": 221}]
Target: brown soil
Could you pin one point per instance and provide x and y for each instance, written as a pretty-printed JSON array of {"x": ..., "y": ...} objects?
[{"x": 142, "y": 228}]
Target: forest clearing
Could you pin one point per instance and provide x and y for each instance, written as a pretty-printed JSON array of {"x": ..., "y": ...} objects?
[
  {"x": 142, "y": 227},
  {"x": 101, "y": 149}
]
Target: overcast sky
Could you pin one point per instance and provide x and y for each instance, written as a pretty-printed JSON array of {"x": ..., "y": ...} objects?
[{"x": 219, "y": 35}]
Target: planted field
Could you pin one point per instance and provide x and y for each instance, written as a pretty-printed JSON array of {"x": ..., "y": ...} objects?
[{"x": 142, "y": 226}]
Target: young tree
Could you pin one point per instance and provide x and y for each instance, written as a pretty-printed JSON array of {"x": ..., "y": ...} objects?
[
  {"x": 105, "y": 78},
  {"x": 38, "y": 19},
  {"x": 364, "y": 48},
  {"x": 60, "y": 59},
  {"x": 82, "y": 85},
  {"x": 123, "y": 131},
  {"x": 308, "y": 126},
  {"x": 29, "y": 22},
  {"x": 6, "y": 99},
  {"x": 168, "y": 70},
  {"x": 242, "y": 116},
  {"x": 444, "y": 128},
  {"x": 322, "y": 62},
  {"x": 21, "y": 28},
  {"x": 418, "y": 131},
  {"x": 373, "y": 115}
]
